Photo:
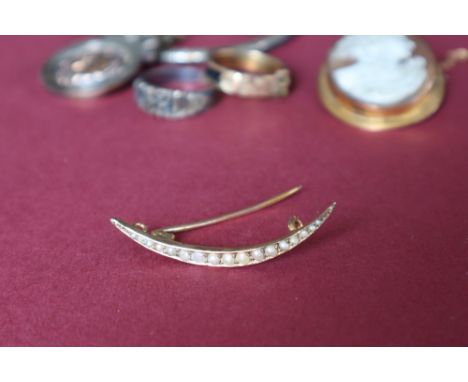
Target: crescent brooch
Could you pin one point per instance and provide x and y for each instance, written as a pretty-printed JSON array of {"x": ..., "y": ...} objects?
[{"x": 162, "y": 240}]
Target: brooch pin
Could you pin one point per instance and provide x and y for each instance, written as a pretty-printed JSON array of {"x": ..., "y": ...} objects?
[{"x": 163, "y": 242}]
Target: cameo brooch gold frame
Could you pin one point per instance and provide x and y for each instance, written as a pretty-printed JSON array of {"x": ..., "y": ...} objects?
[{"x": 379, "y": 83}]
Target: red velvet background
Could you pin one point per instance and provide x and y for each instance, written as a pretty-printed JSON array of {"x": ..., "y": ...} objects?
[{"x": 390, "y": 267}]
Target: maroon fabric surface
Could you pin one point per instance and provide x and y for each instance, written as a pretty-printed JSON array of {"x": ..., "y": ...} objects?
[{"x": 389, "y": 267}]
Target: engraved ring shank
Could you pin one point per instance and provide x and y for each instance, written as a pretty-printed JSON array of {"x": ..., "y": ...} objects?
[
  {"x": 249, "y": 73},
  {"x": 174, "y": 91}
]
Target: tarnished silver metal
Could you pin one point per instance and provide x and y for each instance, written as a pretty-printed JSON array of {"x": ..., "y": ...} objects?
[
  {"x": 173, "y": 91},
  {"x": 91, "y": 68},
  {"x": 149, "y": 46},
  {"x": 98, "y": 66},
  {"x": 190, "y": 55},
  {"x": 249, "y": 73}
]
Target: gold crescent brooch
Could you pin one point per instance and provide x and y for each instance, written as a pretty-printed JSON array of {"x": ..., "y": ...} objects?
[{"x": 163, "y": 242}]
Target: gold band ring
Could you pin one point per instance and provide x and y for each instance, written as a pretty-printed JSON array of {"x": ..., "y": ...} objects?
[{"x": 249, "y": 73}]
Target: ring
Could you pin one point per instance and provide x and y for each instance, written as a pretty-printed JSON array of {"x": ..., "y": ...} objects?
[
  {"x": 202, "y": 54},
  {"x": 249, "y": 73},
  {"x": 174, "y": 91},
  {"x": 148, "y": 46},
  {"x": 90, "y": 68}
]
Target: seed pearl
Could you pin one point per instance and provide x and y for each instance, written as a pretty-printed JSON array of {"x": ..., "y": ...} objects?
[
  {"x": 171, "y": 251},
  {"x": 257, "y": 254},
  {"x": 213, "y": 259},
  {"x": 243, "y": 258},
  {"x": 198, "y": 257},
  {"x": 159, "y": 248},
  {"x": 283, "y": 244},
  {"x": 294, "y": 240},
  {"x": 184, "y": 255},
  {"x": 270, "y": 250},
  {"x": 228, "y": 259},
  {"x": 303, "y": 234}
]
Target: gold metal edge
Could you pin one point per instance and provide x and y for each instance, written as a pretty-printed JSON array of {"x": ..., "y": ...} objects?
[
  {"x": 219, "y": 250},
  {"x": 427, "y": 106}
]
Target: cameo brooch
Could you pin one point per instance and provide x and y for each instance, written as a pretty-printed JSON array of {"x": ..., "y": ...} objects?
[{"x": 378, "y": 83}]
